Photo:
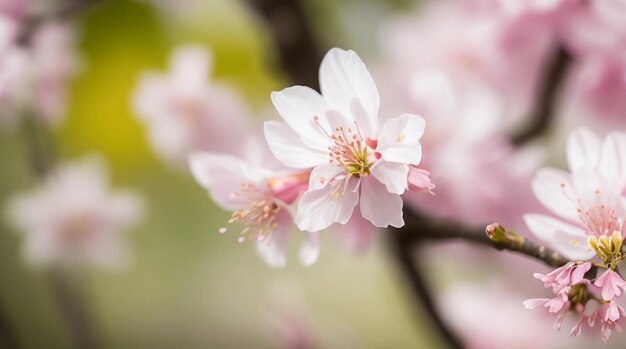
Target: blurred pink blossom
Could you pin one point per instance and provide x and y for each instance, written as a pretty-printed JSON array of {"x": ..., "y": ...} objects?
[
  {"x": 469, "y": 102},
  {"x": 488, "y": 316},
  {"x": 259, "y": 199},
  {"x": 74, "y": 218},
  {"x": 337, "y": 133},
  {"x": 33, "y": 78},
  {"x": 185, "y": 112}
]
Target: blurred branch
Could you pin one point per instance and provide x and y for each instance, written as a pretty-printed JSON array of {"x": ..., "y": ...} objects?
[
  {"x": 40, "y": 148},
  {"x": 8, "y": 337},
  {"x": 547, "y": 98},
  {"x": 70, "y": 303},
  {"x": 413, "y": 273},
  {"x": 66, "y": 11},
  {"x": 299, "y": 54}
]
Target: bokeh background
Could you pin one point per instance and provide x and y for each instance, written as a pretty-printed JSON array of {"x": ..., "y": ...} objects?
[{"x": 187, "y": 286}]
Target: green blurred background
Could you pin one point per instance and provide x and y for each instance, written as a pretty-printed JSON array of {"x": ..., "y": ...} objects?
[{"x": 188, "y": 287}]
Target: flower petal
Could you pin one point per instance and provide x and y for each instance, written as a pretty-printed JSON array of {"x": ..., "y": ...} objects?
[
  {"x": 564, "y": 238},
  {"x": 298, "y": 106},
  {"x": 583, "y": 149},
  {"x": 613, "y": 159},
  {"x": 310, "y": 250},
  {"x": 379, "y": 206},
  {"x": 223, "y": 175},
  {"x": 321, "y": 175},
  {"x": 399, "y": 140},
  {"x": 318, "y": 209},
  {"x": 392, "y": 174},
  {"x": 273, "y": 249},
  {"x": 343, "y": 78},
  {"x": 289, "y": 149},
  {"x": 554, "y": 189}
]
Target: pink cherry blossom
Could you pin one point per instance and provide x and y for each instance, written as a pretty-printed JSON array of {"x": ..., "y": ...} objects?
[
  {"x": 337, "y": 133},
  {"x": 74, "y": 218},
  {"x": 588, "y": 201},
  {"x": 567, "y": 275},
  {"x": 185, "y": 112},
  {"x": 610, "y": 315},
  {"x": 259, "y": 200},
  {"x": 611, "y": 283}
]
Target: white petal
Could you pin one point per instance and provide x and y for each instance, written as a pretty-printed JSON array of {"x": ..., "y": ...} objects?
[
  {"x": 399, "y": 140},
  {"x": 310, "y": 250},
  {"x": 554, "y": 189},
  {"x": 321, "y": 175},
  {"x": 273, "y": 250},
  {"x": 394, "y": 175},
  {"x": 344, "y": 77},
  {"x": 564, "y": 238},
  {"x": 583, "y": 149},
  {"x": 223, "y": 175},
  {"x": 379, "y": 206},
  {"x": 317, "y": 209},
  {"x": 289, "y": 149},
  {"x": 613, "y": 158},
  {"x": 298, "y": 106}
]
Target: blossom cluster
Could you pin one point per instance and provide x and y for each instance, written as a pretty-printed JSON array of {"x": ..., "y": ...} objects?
[{"x": 589, "y": 203}]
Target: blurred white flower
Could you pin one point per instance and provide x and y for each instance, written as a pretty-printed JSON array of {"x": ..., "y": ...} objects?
[
  {"x": 74, "y": 218},
  {"x": 259, "y": 199},
  {"x": 185, "y": 112}
]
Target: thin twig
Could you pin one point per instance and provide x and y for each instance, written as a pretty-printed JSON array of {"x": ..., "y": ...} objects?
[
  {"x": 419, "y": 228},
  {"x": 70, "y": 303},
  {"x": 547, "y": 98}
]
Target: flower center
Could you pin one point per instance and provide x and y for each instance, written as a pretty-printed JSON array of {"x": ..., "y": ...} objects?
[
  {"x": 258, "y": 217},
  {"x": 599, "y": 219},
  {"x": 349, "y": 150}
]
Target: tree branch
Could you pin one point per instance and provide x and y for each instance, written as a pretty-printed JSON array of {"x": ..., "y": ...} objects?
[
  {"x": 419, "y": 228},
  {"x": 299, "y": 53},
  {"x": 543, "y": 112},
  {"x": 413, "y": 272}
]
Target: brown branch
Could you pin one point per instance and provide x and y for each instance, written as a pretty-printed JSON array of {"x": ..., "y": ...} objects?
[
  {"x": 412, "y": 270},
  {"x": 543, "y": 112},
  {"x": 419, "y": 228},
  {"x": 299, "y": 53}
]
